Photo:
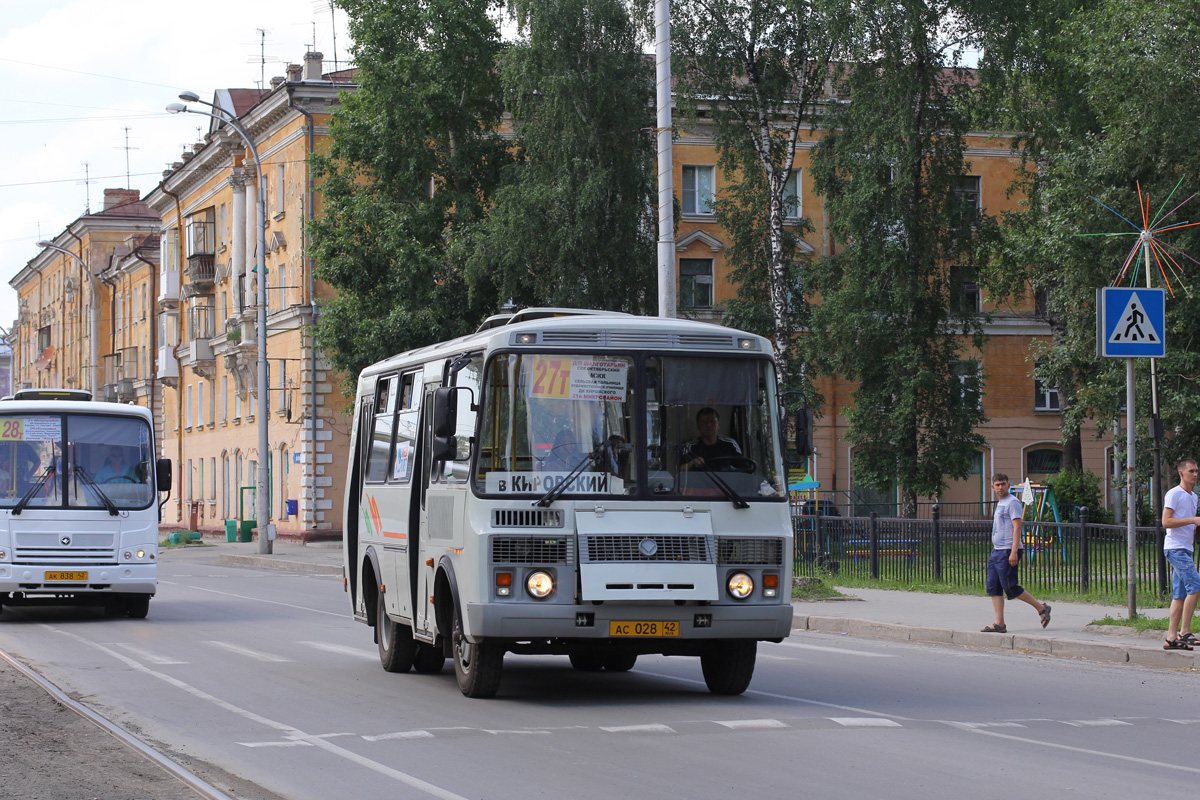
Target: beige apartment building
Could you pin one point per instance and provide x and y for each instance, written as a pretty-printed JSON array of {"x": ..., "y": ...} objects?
[{"x": 207, "y": 358}]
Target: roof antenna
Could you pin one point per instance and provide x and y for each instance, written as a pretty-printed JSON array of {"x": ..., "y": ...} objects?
[
  {"x": 87, "y": 190},
  {"x": 127, "y": 148}
]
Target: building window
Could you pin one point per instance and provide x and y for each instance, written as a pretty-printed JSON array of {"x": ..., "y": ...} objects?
[
  {"x": 237, "y": 406},
  {"x": 696, "y": 282},
  {"x": 967, "y": 189},
  {"x": 965, "y": 297},
  {"x": 1045, "y": 397},
  {"x": 221, "y": 227},
  {"x": 970, "y": 380},
  {"x": 189, "y": 406},
  {"x": 224, "y": 397},
  {"x": 1043, "y": 462},
  {"x": 282, "y": 385},
  {"x": 212, "y": 474},
  {"x": 43, "y": 339},
  {"x": 200, "y": 401},
  {"x": 191, "y": 494},
  {"x": 793, "y": 202},
  {"x": 279, "y": 189},
  {"x": 697, "y": 190}
]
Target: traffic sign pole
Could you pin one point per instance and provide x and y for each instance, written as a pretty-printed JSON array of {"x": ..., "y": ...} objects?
[{"x": 1131, "y": 505}]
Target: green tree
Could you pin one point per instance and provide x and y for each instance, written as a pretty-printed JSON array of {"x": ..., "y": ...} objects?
[
  {"x": 891, "y": 168},
  {"x": 573, "y": 219},
  {"x": 413, "y": 160},
  {"x": 757, "y": 69}
]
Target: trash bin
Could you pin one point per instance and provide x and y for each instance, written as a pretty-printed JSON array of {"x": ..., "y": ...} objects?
[
  {"x": 248, "y": 525},
  {"x": 231, "y": 530}
]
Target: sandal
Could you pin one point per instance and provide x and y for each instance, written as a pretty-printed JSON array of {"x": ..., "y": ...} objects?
[
  {"x": 995, "y": 629},
  {"x": 1176, "y": 644},
  {"x": 1045, "y": 614},
  {"x": 1189, "y": 639}
]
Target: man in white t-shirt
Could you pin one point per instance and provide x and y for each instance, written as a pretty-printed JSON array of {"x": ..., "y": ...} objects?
[
  {"x": 1179, "y": 518},
  {"x": 1002, "y": 575}
]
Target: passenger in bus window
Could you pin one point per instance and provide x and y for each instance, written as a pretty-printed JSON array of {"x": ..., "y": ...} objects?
[
  {"x": 709, "y": 449},
  {"x": 7, "y": 489},
  {"x": 564, "y": 454}
]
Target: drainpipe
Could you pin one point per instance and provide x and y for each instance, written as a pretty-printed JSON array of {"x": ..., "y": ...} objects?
[
  {"x": 312, "y": 280},
  {"x": 178, "y": 361},
  {"x": 93, "y": 313},
  {"x": 152, "y": 377}
]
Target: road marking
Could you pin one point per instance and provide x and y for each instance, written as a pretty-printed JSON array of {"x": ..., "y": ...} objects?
[
  {"x": 276, "y": 744},
  {"x": 248, "y": 653},
  {"x": 651, "y": 728},
  {"x": 526, "y": 732},
  {"x": 147, "y": 655},
  {"x": 341, "y": 650},
  {"x": 865, "y": 722},
  {"x": 1094, "y": 723},
  {"x": 841, "y": 650},
  {"x": 1185, "y": 721},
  {"x": 261, "y": 600},
  {"x": 747, "y": 724},
  {"x": 982, "y": 724},
  {"x": 385, "y": 737},
  {"x": 1085, "y": 751},
  {"x": 375, "y": 766}
]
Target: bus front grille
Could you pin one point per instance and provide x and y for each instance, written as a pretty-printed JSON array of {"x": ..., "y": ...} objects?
[
  {"x": 647, "y": 548},
  {"x": 37, "y": 556},
  {"x": 531, "y": 550},
  {"x": 750, "y": 551},
  {"x": 527, "y": 518}
]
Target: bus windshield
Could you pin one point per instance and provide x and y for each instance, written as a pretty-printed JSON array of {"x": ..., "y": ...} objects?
[
  {"x": 76, "y": 460},
  {"x": 709, "y": 427}
]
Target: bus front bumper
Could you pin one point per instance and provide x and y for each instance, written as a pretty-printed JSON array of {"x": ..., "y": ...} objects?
[
  {"x": 520, "y": 621},
  {"x": 72, "y": 579}
]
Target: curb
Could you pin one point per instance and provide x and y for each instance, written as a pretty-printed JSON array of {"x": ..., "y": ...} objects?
[
  {"x": 1041, "y": 645},
  {"x": 266, "y": 562}
]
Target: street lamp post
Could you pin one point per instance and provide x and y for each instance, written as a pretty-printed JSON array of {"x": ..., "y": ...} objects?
[
  {"x": 94, "y": 316},
  {"x": 262, "y": 506}
]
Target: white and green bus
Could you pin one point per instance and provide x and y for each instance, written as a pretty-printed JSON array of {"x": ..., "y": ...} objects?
[
  {"x": 79, "y": 502},
  {"x": 588, "y": 484}
]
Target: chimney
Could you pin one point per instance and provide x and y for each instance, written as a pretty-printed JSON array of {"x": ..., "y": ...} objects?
[
  {"x": 276, "y": 82},
  {"x": 293, "y": 73},
  {"x": 120, "y": 197},
  {"x": 312, "y": 66}
]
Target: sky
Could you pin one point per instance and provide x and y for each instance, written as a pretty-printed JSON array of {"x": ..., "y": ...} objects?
[{"x": 87, "y": 83}]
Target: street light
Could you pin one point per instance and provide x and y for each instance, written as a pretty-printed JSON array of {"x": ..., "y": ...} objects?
[
  {"x": 262, "y": 508},
  {"x": 95, "y": 317}
]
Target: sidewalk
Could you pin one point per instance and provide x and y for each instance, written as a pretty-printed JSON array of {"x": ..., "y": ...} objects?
[{"x": 949, "y": 619}]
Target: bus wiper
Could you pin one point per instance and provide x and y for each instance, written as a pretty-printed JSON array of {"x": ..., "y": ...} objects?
[
  {"x": 91, "y": 482},
  {"x": 41, "y": 481},
  {"x": 725, "y": 488},
  {"x": 559, "y": 488}
]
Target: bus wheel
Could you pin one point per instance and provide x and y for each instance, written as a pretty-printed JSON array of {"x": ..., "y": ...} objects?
[
  {"x": 619, "y": 662},
  {"x": 728, "y": 666},
  {"x": 429, "y": 660},
  {"x": 137, "y": 606},
  {"x": 396, "y": 644},
  {"x": 477, "y": 665},
  {"x": 586, "y": 660}
]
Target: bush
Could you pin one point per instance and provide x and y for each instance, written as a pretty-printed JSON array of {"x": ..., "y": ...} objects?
[{"x": 1074, "y": 488}]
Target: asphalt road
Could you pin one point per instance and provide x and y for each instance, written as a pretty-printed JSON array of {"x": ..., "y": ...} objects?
[{"x": 260, "y": 682}]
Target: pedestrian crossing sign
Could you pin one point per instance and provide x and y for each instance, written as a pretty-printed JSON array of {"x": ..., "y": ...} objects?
[{"x": 1130, "y": 323}]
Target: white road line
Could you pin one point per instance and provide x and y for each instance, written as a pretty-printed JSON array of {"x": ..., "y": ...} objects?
[
  {"x": 262, "y": 600},
  {"x": 651, "y": 728},
  {"x": 248, "y": 653},
  {"x": 275, "y": 744},
  {"x": 387, "y": 737},
  {"x": 1185, "y": 721},
  {"x": 341, "y": 650},
  {"x": 525, "y": 732},
  {"x": 375, "y": 766},
  {"x": 1094, "y": 723},
  {"x": 865, "y": 722},
  {"x": 147, "y": 655},
  {"x": 974, "y": 725},
  {"x": 841, "y": 650},
  {"x": 1086, "y": 751},
  {"x": 750, "y": 724}
]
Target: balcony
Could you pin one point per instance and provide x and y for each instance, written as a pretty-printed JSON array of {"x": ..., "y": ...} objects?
[
  {"x": 201, "y": 271},
  {"x": 168, "y": 288},
  {"x": 108, "y": 393},
  {"x": 168, "y": 367},
  {"x": 125, "y": 390}
]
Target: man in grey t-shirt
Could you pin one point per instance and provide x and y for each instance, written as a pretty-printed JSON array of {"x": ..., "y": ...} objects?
[
  {"x": 1002, "y": 578},
  {"x": 1179, "y": 519}
]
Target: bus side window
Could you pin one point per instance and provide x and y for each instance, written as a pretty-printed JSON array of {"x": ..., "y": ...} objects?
[
  {"x": 381, "y": 432},
  {"x": 409, "y": 408},
  {"x": 470, "y": 377}
]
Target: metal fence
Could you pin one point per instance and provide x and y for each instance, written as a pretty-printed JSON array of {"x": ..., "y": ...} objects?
[{"x": 1071, "y": 556}]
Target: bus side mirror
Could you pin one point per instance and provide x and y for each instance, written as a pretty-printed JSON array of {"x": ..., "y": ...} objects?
[
  {"x": 445, "y": 423},
  {"x": 162, "y": 474}
]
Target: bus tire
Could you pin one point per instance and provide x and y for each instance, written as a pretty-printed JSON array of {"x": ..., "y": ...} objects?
[
  {"x": 429, "y": 659},
  {"x": 586, "y": 660},
  {"x": 477, "y": 665},
  {"x": 137, "y": 606},
  {"x": 619, "y": 662},
  {"x": 728, "y": 665},
  {"x": 397, "y": 648}
]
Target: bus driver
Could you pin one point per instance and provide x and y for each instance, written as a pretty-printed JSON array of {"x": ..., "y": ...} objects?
[{"x": 709, "y": 449}]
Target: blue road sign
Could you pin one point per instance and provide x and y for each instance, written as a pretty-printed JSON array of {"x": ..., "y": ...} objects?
[{"x": 1130, "y": 323}]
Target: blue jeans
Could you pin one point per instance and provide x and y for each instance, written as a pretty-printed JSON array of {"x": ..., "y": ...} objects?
[{"x": 1185, "y": 578}]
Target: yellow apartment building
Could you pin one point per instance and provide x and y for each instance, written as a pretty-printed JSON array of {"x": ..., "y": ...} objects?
[
  {"x": 207, "y": 359},
  {"x": 86, "y": 316},
  {"x": 1023, "y": 428}
]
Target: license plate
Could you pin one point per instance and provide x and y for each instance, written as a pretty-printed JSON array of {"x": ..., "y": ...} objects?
[
  {"x": 643, "y": 628},
  {"x": 74, "y": 577}
]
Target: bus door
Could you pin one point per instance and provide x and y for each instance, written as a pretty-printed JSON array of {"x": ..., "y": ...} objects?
[{"x": 426, "y": 559}]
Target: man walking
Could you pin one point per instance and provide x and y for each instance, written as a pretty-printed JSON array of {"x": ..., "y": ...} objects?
[
  {"x": 1179, "y": 518},
  {"x": 1002, "y": 579}
]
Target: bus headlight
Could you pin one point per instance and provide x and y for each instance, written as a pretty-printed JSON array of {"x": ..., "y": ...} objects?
[
  {"x": 740, "y": 585},
  {"x": 539, "y": 585}
]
